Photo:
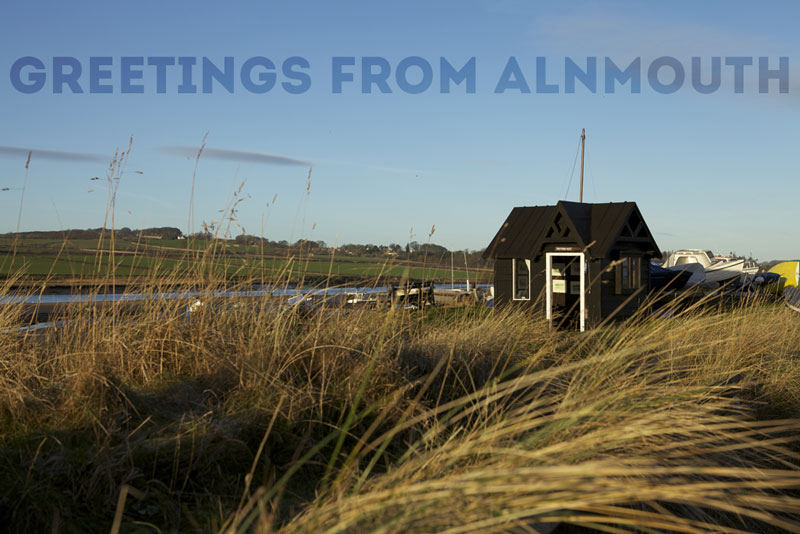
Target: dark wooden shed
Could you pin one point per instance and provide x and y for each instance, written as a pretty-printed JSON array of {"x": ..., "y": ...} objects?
[{"x": 580, "y": 262}]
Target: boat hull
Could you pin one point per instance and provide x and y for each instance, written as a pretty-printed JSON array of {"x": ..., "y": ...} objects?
[{"x": 695, "y": 270}]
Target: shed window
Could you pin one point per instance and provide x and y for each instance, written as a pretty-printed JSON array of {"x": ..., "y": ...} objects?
[
  {"x": 629, "y": 274},
  {"x": 521, "y": 277}
]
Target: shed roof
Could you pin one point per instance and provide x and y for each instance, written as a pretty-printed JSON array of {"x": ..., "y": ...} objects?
[
  {"x": 526, "y": 228},
  {"x": 522, "y": 230}
]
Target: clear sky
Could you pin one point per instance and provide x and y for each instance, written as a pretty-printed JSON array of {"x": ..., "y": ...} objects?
[{"x": 715, "y": 171}]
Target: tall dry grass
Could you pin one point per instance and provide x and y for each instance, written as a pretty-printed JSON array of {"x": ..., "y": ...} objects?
[
  {"x": 642, "y": 426},
  {"x": 245, "y": 415}
]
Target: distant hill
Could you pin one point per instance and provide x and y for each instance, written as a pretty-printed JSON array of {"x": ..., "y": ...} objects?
[
  {"x": 163, "y": 232},
  {"x": 411, "y": 251}
]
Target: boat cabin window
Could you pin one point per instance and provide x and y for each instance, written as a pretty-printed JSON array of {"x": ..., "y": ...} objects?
[
  {"x": 521, "y": 279},
  {"x": 683, "y": 260},
  {"x": 629, "y": 274}
]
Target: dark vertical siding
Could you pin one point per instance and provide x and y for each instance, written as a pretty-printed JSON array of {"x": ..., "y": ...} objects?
[
  {"x": 538, "y": 281},
  {"x": 614, "y": 303},
  {"x": 594, "y": 298},
  {"x": 502, "y": 281}
]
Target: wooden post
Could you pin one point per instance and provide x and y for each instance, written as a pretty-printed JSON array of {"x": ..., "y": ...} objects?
[{"x": 583, "y": 143}]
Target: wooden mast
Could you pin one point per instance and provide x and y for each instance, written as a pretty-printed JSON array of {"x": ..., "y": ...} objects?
[{"x": 583, "y": 143}]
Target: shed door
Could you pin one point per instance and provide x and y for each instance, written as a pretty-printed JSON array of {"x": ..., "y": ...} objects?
[{"x": 566, "y": 289}]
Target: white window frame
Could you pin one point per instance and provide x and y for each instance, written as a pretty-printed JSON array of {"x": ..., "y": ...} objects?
[{"x": 514, "y": 279}]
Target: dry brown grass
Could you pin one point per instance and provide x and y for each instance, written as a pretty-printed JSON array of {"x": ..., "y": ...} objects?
[
  {"x": 636, "y": 428},
  {"x": 397, "y": 421}
]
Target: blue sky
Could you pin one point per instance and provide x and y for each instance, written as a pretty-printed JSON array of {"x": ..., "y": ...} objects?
[{"x": 715, "y": 171}]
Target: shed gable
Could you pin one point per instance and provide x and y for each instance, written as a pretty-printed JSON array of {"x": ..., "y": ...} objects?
[{"x": 634, "y": 232}]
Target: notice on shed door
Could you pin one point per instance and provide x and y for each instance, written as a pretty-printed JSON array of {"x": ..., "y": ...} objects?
[{"x": 559, "y": 286}]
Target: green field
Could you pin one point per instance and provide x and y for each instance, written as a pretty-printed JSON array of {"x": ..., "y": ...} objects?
[{"x": 91, "y": 258}]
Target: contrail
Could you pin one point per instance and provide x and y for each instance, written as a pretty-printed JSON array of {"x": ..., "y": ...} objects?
[
  {"x": 51, "y": 154},
  {"x": 241, "y": 156}
]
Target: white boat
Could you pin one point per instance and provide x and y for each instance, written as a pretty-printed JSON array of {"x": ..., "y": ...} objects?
[
  {"x": 748, "y": 266},
  {"x": 717, "y": 269}
]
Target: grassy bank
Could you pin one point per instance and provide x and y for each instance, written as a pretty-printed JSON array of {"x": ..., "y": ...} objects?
[
  {"x": 243, "y": 416},
  {"x": 135, "y": 260}
]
